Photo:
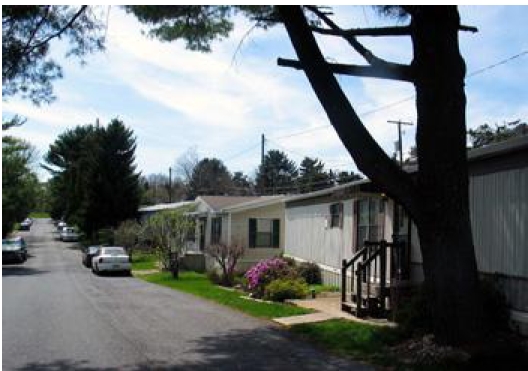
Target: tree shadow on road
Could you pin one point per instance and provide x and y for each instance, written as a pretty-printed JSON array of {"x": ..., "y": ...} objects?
[
  {"x": 249, "y": 349},
  {"x": 19, "y": 270}
]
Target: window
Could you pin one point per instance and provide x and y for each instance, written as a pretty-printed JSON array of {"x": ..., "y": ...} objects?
[
  {"x": 190, "y": 236},
  {"x": 369, "y": 220},
  {"x": 216, "y": 230},
  {"x": 114, "y": 251},
  {"x": 264, "y": 233},
  {"x": 336, "y": 215}
]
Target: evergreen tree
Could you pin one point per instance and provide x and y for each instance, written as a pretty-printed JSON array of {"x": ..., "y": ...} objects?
[
  {"x": 242, "y": 185},
  {"x": 485, "y": 134},
  {"x": 312, "y": 176},
  {"x": 94, "y": 181},
  {"x": 210, "y": 177},
  {"x": 112, "y": 182},
  {"x": 346, "y": 177},
  {"x": 277, "y": 174}
]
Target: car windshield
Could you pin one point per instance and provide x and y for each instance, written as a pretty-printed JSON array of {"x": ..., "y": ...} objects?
[
  {"x": 114, "y": 251},
  {"x": 93, "y": 249},
  {"x": 11, "y": 244}
]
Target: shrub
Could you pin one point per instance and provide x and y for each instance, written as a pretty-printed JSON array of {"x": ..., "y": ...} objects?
[
  {"x": 310, "y": 272},
  {"x": 413, "y": 313},
  {"x": 227, "y": 257},
  {"x": 266, "y": 271},
  {"x": 290, "y": 261},
  {"x": 286, "y": 288},
  {"x": 494, "y": 304},
  {"x": 214, "y": 277}
]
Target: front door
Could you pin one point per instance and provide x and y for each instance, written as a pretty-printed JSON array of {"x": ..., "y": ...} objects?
[
  {"x": 203, "y": 224},
  {"x": 400, "y": 257}
]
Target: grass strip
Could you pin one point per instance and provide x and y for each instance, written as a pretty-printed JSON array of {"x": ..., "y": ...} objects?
[
  {"x": 199, "y": 285},
  {"x": 144, "y": 261},
  {"x": 347, "y": 338},
  {"x": 39, "y": 215}
]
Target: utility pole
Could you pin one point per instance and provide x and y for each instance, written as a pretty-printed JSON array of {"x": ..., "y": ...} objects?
[
  {"x": 170, "y": 185},
  {"x": 400, "y": 145},
  {"x": 263, "y": 140}
]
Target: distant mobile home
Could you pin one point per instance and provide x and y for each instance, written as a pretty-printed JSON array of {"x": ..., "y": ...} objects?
[
  {"x": 330, "y": 225},
  {"x": 255, "y": 222}
]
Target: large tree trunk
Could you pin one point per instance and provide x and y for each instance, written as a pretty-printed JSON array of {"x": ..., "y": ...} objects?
[
  {"x": 443, "y": 218},
  {"x": 438, "y": 199}
]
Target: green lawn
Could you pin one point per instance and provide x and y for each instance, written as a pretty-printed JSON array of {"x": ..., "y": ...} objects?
[
  {"x": 39, "y": 215},
  {"x": 144, "y": 261},
  {"x": 199, "y": 285},
  {"x": 358, "y": 340}
]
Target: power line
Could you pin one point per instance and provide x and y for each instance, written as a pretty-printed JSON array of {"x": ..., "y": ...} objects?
[
  {"x": 241, "y": 152},
  {"x": 410, "y": 97},
  {"x": 504, "y": 61}
]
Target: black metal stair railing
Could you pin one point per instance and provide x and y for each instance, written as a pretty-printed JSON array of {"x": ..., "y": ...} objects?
[{"x": 368, "y": 279}]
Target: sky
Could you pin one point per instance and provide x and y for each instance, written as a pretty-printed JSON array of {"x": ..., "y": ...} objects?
[{"x": 220, "y": 103}]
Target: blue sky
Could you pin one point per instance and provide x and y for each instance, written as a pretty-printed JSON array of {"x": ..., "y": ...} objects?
[{"x": 223, "y": 101}]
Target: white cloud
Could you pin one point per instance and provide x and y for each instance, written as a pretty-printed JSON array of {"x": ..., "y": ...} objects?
[
  {"x": 174, "y": 99},
  {"x": 54, "y": 115}
]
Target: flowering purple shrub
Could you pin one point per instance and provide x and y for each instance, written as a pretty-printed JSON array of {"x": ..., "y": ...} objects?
[{"x": 266, "y": 271}]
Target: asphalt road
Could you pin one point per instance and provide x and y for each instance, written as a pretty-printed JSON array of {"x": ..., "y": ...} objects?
[{"x": 57, "y": 315}]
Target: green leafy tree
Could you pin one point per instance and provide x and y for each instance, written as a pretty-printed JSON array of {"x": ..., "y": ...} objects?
[
  {"x": 210, "y": 177},
  {"x": 277, "y": 174},
  {"x": 127, "y": 235},
  {"x": 27, "y": 32},
  {"x": 485, "y": 134},
  {"x": 436, "y": 196},
  {"x": 313, "y": 176},
  {"x": 19, "y": 182},
  {"x": 167, "y": 232}
]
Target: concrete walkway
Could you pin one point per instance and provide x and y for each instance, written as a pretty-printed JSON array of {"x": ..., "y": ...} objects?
[{"x": 327, "y": 307}]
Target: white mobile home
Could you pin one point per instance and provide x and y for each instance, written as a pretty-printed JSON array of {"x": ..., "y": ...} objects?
[{"x": 329, "y": 226}]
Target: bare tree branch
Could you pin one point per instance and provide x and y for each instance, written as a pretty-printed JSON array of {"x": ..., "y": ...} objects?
[
  {"x": 376, "y": 71},
  {"x": 364, "y": 52},
  {"x": 378, "y": 31}
]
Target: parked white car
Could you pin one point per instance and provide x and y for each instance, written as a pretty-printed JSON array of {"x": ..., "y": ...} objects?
[
  {"x": 111, "y": 259},
  {"x": 68, "y": 234}
]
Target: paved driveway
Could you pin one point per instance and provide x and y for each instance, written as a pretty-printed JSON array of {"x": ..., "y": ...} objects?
[{"x": 58, "y": 316}]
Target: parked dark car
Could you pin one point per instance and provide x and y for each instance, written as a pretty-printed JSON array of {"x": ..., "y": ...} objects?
[
  {"x": 14, "y": 250},
  {"x": 87, "y": 255}
]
